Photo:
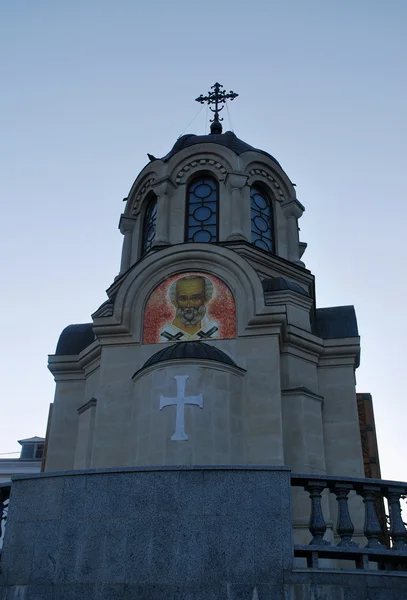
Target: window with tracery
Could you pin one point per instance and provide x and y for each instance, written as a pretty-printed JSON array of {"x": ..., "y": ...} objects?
[
  {"x": 202, "y": 211},
  {"x": 261, "y": 214},
  {"x": 149, "y": 225}
]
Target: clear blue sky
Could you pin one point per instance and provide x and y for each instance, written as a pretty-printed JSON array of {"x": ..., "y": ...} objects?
[{"x": 88, "y": 88}]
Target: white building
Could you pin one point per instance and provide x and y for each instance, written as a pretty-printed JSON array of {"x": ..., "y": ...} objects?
[{"x": 28, "y": 462}]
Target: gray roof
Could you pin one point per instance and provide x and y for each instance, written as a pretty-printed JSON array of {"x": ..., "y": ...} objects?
[
  {"x": 75, "y": 338},
  {"x": 185, "y": 350},
  {"x": 276, "y": 284},
  {"x": 336, "y": 322},
  {"x": 227, "y": 139},
  {"x": 32, "y": 440}
]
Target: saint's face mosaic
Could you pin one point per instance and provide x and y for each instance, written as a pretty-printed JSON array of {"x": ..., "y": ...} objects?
[{"x": 189, "y": 306}]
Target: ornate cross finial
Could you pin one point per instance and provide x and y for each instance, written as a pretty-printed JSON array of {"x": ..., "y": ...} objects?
[{"x": 217, "y": 97}]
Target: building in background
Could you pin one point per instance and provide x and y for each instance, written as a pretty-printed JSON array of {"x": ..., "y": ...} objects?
[
  {"x": 368, "y": 435},
  {"x": 28, "y": 462}
]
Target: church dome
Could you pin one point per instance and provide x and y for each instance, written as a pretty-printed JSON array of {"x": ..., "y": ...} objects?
[
  {"x": 188, "y": 350},
  {"x": 75, "y": 338},
  {"x": 278, "y": 284},
  {"x": 227, "y": 139}
]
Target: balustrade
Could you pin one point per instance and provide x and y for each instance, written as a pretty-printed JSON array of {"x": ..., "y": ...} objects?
[
  {"x": 390, "y": 556},
  {"x": 382, "y": 543}
]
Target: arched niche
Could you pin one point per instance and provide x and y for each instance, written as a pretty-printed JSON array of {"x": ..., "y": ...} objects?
[
  {"x": 189, "y": 306},
  {"x": 188, "y": 408},
  {"x": 132, "y": 293}
]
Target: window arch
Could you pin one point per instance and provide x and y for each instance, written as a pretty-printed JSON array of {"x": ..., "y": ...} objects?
[
  {"x": 261, "y": 218},
  {"x": 201, "y": 223},
  {"x": 149, "y": 225}
]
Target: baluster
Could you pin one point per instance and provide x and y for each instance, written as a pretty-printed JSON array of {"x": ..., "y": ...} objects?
[
  {"x": 2, "y": 497},
  {"x": 397, "y": 529},
  {"x": 317, "y": 525},
  {"x": 372, "y": 528},
  {"x": 344, "y": 525}
]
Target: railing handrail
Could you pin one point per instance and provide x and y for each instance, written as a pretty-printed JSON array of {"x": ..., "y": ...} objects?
[
  {"x": 301, "y": 479},
  {"x": 378, "y": 528}
]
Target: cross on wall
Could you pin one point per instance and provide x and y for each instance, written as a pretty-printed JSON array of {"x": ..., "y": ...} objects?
[{"x": 180, "y": 401}]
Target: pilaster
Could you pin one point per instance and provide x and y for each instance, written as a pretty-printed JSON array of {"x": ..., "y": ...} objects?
[
  {"x": 126, "y": 226},
  {"x": 163, "y": 189},
  {"x": 293, "y": 211},
  {"x": 236, "y": 182}
]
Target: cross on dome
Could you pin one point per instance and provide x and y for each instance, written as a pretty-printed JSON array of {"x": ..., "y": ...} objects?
[{"x": 217, "y": 97}]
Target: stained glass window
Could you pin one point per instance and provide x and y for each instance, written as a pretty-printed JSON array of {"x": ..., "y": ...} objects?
[
  {"x": 202, "y": 211},
  {"x": 149, "y": 225},
  {"x": 261, "y": 214}
]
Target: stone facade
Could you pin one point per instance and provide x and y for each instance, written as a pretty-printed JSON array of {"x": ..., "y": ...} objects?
[
  {"x": 202, "y": 408},
  {"x": 289, "y": 397},
  {"x": 166, "y": 534},
  {"x": 284, "y": 394}
]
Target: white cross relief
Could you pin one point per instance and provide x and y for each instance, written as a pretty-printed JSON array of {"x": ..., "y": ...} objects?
[{"x": 180, "y": 402}]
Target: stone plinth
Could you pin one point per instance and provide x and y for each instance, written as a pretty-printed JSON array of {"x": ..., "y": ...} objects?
[
  {"x": 169, "y": 533},
  {"x": 146, "y": 533}
]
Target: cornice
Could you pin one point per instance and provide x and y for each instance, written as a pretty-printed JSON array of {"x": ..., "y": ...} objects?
[
  {"x": 267, "y": 261},
  {"x": 65, "y": 368},
  {"x": 126, "y": 223},
  {"x": 305, "y": 340},
  {"x": 340, "y": 352},
  {"x": 75, "y": 366},
  {"x": 90, "y": 404},
  {"x": 289, "y": 297},
  {"x": 303, "y": 391}
]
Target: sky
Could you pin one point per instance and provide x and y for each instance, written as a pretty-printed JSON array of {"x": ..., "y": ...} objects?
[{"x": 88, "y": 88}]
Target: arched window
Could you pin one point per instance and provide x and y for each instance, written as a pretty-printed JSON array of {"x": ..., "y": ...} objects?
[
  {"x": 149, "y": 225},
  {"x": 261, "y": 214},
  {"x": 202, "y": 211}
]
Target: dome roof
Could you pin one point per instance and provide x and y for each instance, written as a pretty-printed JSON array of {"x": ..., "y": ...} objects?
[
  {"x": 336, "y": 322},
  {"x": 276, "y": 284},
  {"x": 185, "y": 350},
  {"x": 227, "y": 139},
  {"x": 75, "y": 338}
]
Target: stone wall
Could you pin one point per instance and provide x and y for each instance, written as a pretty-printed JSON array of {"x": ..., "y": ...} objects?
[{"x": 164, "y": 534}]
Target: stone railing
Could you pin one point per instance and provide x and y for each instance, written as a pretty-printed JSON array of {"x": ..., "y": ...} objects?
[
  {"x": 5, "y": 489},
  {"x": 386, "y": 545}
]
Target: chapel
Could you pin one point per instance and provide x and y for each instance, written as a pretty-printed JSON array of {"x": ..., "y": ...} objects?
[
  {"x": 210, "y": 348},
  {"x": 206, "y": 441}
]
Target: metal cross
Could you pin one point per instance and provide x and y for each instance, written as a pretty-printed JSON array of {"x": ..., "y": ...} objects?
[
  {"x": 180, "y": 402},
  {"x": 217, "y": 97}
]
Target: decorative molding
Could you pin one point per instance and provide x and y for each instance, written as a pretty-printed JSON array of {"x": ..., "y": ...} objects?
[
  {"x": 236, "y": 180},
  {"x": 91, "y": 403},
  {"x": 303, "y": 391},
  {"x": 275, "y": 184},
  {"x": 302, "y": 246},
  {"x": 105, "y": 309},
  {"x": 293, "y": 208},
  {"x": 270, "y": 265},
  {"x": 290, "y": 297},
  {"x": 126, "y": 224},
  {"x": 200, "y": 163},
  {"x": 147, "y": 185},
  {"x": 163, "y": 187},
  {"x": 76, "y": 366}
]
